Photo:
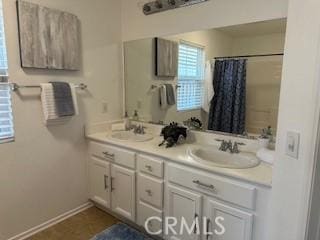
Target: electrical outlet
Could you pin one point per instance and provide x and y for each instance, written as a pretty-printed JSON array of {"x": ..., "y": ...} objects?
[
  {"x": 292, "y": 144},
  {"x": 105, "y": 107}
]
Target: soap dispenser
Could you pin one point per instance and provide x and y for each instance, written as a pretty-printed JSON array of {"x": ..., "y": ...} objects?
[
  {"x": 135, "y": 116},
  {"x": 126, "y": 120}
]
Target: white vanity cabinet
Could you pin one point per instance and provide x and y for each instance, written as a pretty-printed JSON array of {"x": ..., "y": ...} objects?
[
  {"x": 138, "y": 186},
  {"x": 112, "y": 179},
  {"x": 195, "y": 195}
]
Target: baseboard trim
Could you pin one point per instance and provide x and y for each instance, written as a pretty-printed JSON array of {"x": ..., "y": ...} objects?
[{"x": 51, "y": 222}]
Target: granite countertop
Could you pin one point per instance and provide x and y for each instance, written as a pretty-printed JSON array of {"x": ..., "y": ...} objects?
[{"x": 260, "y": 175}]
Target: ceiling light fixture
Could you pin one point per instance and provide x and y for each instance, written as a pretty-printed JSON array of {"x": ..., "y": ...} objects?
[{"x": 165, "y": 5}]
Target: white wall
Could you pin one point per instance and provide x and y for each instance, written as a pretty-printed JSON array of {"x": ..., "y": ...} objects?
[
  {"x": 267, "y": 43},
  {"x": 43, "y": 173},
  {"x": 212, "y": 14},
  {"x": 299, "y": 111}
]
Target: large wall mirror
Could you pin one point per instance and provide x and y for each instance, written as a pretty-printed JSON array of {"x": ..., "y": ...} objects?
[{"x": 225, "y": 79}]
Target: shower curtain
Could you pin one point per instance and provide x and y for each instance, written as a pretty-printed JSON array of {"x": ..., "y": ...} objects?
[{"x": 228, "y": 106}]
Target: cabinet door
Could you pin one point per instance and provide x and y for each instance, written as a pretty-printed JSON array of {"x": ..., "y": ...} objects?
[
  {"x": 123, "y": 191},
  {"x": 99, "y": 182},
  {"x": 184, "y": 204},
  {"x": 237, "y": 223}
]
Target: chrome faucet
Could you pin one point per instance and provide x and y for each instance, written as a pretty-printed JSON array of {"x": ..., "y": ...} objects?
[
  {"x": 235, "y": 148},
  {"x": 138, "y": 129},
  {"x": 227, "y": 145}
]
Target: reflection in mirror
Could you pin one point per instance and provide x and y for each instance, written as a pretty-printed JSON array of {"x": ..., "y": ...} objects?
[{"x": 225, "y": 79}]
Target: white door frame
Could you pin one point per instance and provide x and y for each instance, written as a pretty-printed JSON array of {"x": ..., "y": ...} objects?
[
  {"x": 315, "y": 165},
  {"x": 311, "y": 228}
]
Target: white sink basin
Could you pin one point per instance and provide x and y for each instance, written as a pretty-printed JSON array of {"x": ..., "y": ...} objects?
[
  {"x": 131, "y": 136},
  {"x": 214, "y": 157}
]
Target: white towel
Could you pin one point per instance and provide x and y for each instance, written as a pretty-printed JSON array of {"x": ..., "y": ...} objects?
[
  {"x": 49, "y": 108},
  {"x": 208, "y": 87},
  {"x": 266, "y": 155},
  {"x": 163, "y": 97},
  {"x": 75, "y": 98}
]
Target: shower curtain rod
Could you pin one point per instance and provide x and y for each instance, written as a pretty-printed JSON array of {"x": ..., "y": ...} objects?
[{"x": 250, "y": 56}]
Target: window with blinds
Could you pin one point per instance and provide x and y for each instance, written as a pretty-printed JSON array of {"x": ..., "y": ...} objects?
[
  {"x": 190, "y": 77},
  {"x": 6, "y": 121}
]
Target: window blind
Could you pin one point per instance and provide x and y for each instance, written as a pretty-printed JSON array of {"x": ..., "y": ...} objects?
[
  {"x": 6, "y": 120},
  {"x": 190, "y": 77}
]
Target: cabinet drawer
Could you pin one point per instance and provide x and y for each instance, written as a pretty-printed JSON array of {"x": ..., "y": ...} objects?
[
  {"x": 150, "y": 166},
  {"x": 113, "y": 154},
  {"x": 145, "y": 212},
  {"x": 150, "y": 190},
  {"x": 234, "y": 192}
]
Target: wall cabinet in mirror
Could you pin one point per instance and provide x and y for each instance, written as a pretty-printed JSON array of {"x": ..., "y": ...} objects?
[{"x": 166, "y": 58}]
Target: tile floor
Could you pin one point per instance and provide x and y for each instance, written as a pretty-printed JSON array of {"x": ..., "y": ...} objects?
[{"x": 82, "y": 226}]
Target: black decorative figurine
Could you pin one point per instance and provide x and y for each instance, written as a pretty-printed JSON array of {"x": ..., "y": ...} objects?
[
  {"x": 193, "y": 123},
  {"x": 172, "y": 134}
]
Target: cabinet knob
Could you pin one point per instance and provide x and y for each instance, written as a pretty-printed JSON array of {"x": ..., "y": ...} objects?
[
  {"x": 106, "y": 182},
  {"x": 149, "y": 168},
  {"x": 208, "y": 228},
  {"x": 149, "y": 192},
  {"x": 112, "y": 180},
  {"x": 109, "y": 155},
  {"x": 195, "y": 230},
  {"x": 150, "y": 224}
]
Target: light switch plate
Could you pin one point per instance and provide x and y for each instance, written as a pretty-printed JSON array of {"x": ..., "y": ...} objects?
[{"x": 292, "y": 144}]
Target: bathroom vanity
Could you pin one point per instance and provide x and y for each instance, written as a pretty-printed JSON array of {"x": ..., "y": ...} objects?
[{"x": 137, "y": 180}]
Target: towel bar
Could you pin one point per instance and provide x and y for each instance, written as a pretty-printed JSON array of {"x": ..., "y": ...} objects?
[
  {"x": 15, "y": 87},
  {"x": 155, "y": 86}
]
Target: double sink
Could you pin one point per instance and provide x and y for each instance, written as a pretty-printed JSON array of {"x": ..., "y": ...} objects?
[{"x": 208, "y": 155}]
